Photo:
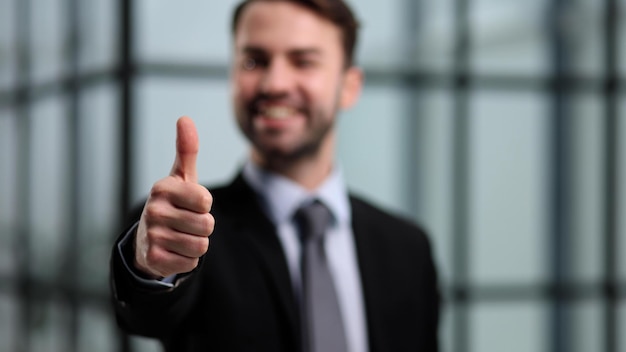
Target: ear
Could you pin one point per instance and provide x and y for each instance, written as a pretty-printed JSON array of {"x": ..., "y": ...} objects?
[{"x": 352, "y": 84}]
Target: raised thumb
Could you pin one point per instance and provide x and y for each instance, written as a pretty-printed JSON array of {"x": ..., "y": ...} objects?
[{"x": 186, "y": 150}]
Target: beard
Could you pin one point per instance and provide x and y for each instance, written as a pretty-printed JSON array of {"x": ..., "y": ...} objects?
[{"x": 279, "y": 147}]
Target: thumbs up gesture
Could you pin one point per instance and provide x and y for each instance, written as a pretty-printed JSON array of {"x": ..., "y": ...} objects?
[{"x": 175, "y": 225}]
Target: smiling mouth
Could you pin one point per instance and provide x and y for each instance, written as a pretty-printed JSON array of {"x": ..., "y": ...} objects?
[{"x": 277, "y": 112}]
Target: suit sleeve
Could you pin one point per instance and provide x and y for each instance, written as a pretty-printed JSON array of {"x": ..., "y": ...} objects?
[{"x": 145, "y": 307}]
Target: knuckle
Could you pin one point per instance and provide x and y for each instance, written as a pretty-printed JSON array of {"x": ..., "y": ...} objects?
[
  {"x": 153, "y": 211},
  {"x": 207, "y": 222},
  {"x": 192, "y": 263},
  {"x": 203, "y": 245},
  {"x": 155, "y": 257},
  {"x": 210, "y": 225},
  {"x": 154, "y": 239},
  {"x": 195, "y": 247},
  {"x": 158, "y": 189},
  {"x": 208, "y": 199},
  {"x": 205, "y": 200}
]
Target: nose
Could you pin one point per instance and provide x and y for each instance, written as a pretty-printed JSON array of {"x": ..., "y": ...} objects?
[{"x": 277, "y": 78}]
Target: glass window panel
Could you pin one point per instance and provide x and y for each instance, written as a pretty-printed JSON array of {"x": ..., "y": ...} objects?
[
  {"x": 448, "y": 314},
  {"x": 434, "y": 39},
  {"x": 8, "y": 189},
  {"x": 388, "y": 38},
  {"x": 99, "y": 27},
  {"x": 191, "y": 31},
  {"x": 49, "y": 330},
  {"x": 435, "y": 171},
  {"x": 8, "y": 47},
  {"x": 511, "y": 327},
  {"x": 200, "y": 31},
  {"x": 587, "y": 178},
  {"x": 159, "y": 104},
  {"x": 49, "y": 191},
  {"x": 9, "y": 320},
  {"x": 48, "y": 39},
  {"x": 97, "y": 331},
  {"x": 99, "y": 149},
  {"x": 585, "y": 29},
  {"x": 383, "y": 34},
  {"x": 587, "y": 326},
  {"x": 372, "y": 133},
  {"x": 509, "y": 193},
  {"x": 509, "y": 37}
]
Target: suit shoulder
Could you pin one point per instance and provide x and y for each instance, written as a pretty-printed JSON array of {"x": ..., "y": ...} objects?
[
  {"x": 375, "y": 217},
  {"x": 402, "y": 242}
]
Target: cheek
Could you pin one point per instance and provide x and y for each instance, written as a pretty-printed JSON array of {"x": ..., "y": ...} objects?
[
  {"x": 243, "y": 86},
  {"x": 321, "y": 89}
]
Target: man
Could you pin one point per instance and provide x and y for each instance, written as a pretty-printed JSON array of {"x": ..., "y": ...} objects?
[{"x": 293, "y": 71}]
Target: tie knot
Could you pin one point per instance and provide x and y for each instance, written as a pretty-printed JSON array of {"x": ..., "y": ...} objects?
[{"x": 313, "y": 220}]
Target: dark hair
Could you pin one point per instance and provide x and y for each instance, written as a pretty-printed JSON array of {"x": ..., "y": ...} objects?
[{"x": 336, "y": 11}]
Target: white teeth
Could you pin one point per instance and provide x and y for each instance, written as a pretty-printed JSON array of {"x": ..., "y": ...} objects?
[{"x": 278, "y": 112}]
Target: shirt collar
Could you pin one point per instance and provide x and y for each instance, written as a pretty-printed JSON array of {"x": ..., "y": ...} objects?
[{"x": 283, "y": 197}]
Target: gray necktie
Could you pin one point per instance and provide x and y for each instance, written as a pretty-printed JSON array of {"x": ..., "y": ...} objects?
[{"x": 323, "y": 329}]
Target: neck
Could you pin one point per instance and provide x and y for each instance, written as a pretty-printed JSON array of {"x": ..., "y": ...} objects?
[{"x": 309, "y": 171}]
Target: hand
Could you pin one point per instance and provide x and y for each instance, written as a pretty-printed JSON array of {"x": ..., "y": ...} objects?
[{"x": 175, "y": 225}]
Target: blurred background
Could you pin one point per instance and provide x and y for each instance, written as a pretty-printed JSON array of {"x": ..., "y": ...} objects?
[{"x": 498, "y": 125}]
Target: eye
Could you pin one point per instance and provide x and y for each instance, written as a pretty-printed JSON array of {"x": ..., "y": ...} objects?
[
  {"x": 249, "y": 64},
  {"x": 305, "y": 63}
]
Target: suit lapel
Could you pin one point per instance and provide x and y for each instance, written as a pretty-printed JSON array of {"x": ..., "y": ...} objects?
[
  {"x": 370, "y": 267},
  {"x": 261, "y": 233}
]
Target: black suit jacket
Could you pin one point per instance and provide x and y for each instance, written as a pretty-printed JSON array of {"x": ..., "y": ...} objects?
[{"x": 240, "y": 296}]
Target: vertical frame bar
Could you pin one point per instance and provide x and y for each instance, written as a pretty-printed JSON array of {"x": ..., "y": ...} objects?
[
  {"x": 23, "y": 115},
  {"x": 70, "y": 273},
  {"x": 126, "y": 76},
  {"x": 559, "y": 245},
  {"x": 413, "y": 122},
  {"x": 461, "y": 179}
]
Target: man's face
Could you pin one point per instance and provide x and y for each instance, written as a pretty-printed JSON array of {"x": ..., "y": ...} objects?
[{"x": 289, "y": 79}]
